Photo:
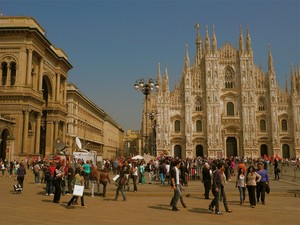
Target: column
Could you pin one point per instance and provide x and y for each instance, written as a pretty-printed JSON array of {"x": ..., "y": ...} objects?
[
  {"x": 49, "y": 138},
  {"x": 29, "y": 65},
  {"x": 64, "y": 132},
  {"x": 57, "y": 87},
  {"x": 37, "y": 133},
  {"x": 1, "y": 75},
  {"x": 65, "y": 91},
  {"x": 25, "y": 131},
  {"x": 41, "y": 71},
  {"x": 8, "y": 78},
  {"x": 55, "y": 129}
]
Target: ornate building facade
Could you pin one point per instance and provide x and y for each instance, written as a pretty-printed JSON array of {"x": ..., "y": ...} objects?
[
  {"x": 37, "y": 106},
  {"x": 33, "y": 76},
  {"x": 224, "y": 105},
  {"x": 96, "y": 130}
]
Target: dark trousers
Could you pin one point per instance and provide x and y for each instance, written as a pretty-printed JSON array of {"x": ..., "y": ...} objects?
[
  {"x": 134, "y": 179},
  {"x": 261, "y": 191},
  {"x": 74, "y": 198},
  {"x": 57, "y": 193},
  {"x": 20, "y": 181},
  {"x": 215, "y": 201},
  {"x": 251, "y": 193},
  {"x": 207, "y": 187},
  {"x": 104, "y": 183},
  {"x": 120, "y": 189},
  {"x": 49, "y": 185}
]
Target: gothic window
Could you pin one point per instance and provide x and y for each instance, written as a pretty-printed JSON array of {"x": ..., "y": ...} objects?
[
  {"x": 229, "y": 78},
  {"x": 13, "y": 73},
  {"x": 284, "y": 125},
  {"x": 261, "y": 105},
  {"x": 198, "y": 126},
  {"x": 4, "y": 72},
  {"x": 177, "y": 126},
  {"x": 262, "y": 125},
  {"x": 230, "y": 109},
  {"x": 198, "y": 105}
]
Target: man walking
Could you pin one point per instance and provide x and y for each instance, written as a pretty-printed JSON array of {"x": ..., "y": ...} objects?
[{"x": 175, "y": 176}]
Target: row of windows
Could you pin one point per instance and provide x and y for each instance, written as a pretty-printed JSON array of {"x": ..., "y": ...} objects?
[
  {"x": 5, "y": 67},
  {"x": 262, "y": 124},
  {"x": 230, "y": 107}
]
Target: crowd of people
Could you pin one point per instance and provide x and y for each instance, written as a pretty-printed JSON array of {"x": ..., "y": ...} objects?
[{"x": 60, "y": 177}]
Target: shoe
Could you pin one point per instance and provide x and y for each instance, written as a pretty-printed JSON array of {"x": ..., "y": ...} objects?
[
  {"x": 47, "y": 194},
  {"x": 211, "y": 208},
  {"x": 92, "y": 196},
  {"x": 84, "y": 207},
  {"x": 175, "y": 209},
  {"x": 263, "y": 203},
  {"x": 219, "y": 213},
  {"x": 68, "y": 207},
  {"x": 184, "y": 206},
  {"x": 252, "y": 206},
  {"x": 229, "y": 210},
  {"x": 51, "y": 194}
]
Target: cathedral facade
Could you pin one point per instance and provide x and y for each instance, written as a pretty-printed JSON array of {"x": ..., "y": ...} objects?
[{"x": 224, "y": 105}]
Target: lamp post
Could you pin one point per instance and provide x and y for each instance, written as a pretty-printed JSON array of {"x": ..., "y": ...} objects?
[
  {"x": 146, "y": 87},
  {"x": 152, "y": 117}
]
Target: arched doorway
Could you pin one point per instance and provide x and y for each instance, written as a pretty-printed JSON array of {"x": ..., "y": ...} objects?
[
  {"x": 231, "y": 147},
  {"x": 177, "y": 151},
  {"x": 285, "y": 151},
  {"x": 264, "y": 150},
  {"x": 3, "y": 144},
  {"x": 199, "y": 151}
]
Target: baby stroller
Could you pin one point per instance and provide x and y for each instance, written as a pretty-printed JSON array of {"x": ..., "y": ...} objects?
[{"x": 17, "y": 189}]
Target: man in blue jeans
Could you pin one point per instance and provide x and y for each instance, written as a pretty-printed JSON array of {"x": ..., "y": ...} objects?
[{"x": 175, "y": 183}]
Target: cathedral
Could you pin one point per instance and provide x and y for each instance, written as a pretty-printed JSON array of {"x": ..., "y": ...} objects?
[{"x": 224, "y": 105}]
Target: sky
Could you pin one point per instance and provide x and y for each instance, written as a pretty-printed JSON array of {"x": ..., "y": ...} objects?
[{"x": 111, "y": 44}]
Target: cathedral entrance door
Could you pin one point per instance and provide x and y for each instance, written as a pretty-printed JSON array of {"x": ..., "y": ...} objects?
[
  {"x": 264, "y": 150},
  {"x": 177, "y": 151},
  {"x": 286, "y": 151},
  {"x": 3, "y": 144},
  {"x": 199, "y": 151},
  {"x": 231, "y": 147}
]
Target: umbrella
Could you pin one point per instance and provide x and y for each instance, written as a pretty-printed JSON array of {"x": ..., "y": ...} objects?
[{"x": 137, "y": 157}]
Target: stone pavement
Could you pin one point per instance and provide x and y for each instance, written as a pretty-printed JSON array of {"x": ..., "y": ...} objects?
[{"x": 150, "y": 205}]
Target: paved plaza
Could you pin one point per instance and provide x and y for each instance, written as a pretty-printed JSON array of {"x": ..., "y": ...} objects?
[{"x": 150, "y": 205}]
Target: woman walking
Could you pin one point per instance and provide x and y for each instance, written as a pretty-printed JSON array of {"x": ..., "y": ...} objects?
[
  {"x": 78, "y": 180},
  {"x": 252, "y": 179},
  {"x": 58, "y": 176},
  {"x": 241, "y": 185}
]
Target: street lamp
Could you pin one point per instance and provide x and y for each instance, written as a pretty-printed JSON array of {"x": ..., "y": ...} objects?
[
  {"x": 152, "y": 117},
  {"x": 146, "y": 87}
]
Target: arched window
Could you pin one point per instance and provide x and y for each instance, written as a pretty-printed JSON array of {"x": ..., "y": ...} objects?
[
  {"x": 198, "y": 126},
  {"x": 198, "y": 105},
  {"x": 261, "y": 105},
  {"x": 4, "y": 72},
  {"x": 284, "y": 125},
  {"x": 262, "y": 125},
  {"x": 13, "y": 73},
  {"x": 229, "y": 78},
  {"x": 177, "y": 126},
  {"x": 230, "y": 109}
]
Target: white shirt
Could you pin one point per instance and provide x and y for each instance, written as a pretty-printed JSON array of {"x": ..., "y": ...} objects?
[{"x": 177, "y": 175}]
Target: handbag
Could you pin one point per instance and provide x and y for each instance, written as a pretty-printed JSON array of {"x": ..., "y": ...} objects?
[
  {"x": 78, "y": 190},
  {"x": 268, "y": 189}
]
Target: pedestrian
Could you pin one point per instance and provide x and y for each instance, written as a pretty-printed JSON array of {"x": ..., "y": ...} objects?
[
  {"x": 3, "y": 168},
  {"x": 162, "y": 172},
  {"x": 134, "y": 176},
  {"x": 78, "y": 180},
  {"x": 218, "y": 190},
  {"x": 241, "y": 184},
  {"x": 121, "y": 182},
  {"x": 175, "y": 183},
  {"x": 252, "y": 179},
  {"x": 87, "y": 170},
  {"x": 94, "y": 177},
  {"x": 206, "y": 179},
  {"x": 70, "y": 178},
  {"x": 104, "y": 179},
  {"x": 58, "y": 175},
  {"x": 276, "y": 170},
  {"x": 261, "y": 185},
  {"x": 21, "y": 172}
]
